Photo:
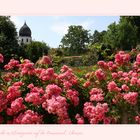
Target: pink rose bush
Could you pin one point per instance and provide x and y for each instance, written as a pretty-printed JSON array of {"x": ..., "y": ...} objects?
[
  {"x": 35, "y": 94},
  {"x": 96, "y": 95},
  {"x": 28, "y": 117},
  {"x": 119, "y": 82},
  {"x": 95, "y": 114}
]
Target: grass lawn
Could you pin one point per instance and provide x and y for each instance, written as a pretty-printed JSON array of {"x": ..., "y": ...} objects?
[{"x": 82, "y": 70}]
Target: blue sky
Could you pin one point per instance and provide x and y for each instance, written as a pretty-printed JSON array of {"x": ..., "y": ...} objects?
[{"x": 51, "y": 29}]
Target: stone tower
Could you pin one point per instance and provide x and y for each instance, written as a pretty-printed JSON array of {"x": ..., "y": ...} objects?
[{"x": 25, "y": 35}]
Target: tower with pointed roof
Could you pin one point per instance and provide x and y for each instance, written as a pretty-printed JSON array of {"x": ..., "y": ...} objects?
[{"x": 25, "y": 35}]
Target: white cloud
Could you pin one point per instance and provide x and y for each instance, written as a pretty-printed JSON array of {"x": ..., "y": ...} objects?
[{"x": 61, "y": 28}]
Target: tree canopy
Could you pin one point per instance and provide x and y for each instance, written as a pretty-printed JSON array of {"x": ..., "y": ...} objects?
[
  {"x": 97, "y": 37},
  {"x": 121, "y": 36},
  {"x": 8, "y": 39},
  {"x": 36, "y": 49},
  {"x": 135, "y": 22},
  {"x": 75, "y": 40}
]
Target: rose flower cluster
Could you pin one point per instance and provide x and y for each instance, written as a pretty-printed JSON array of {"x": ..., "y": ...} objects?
[{"x": 35, "y": 94}]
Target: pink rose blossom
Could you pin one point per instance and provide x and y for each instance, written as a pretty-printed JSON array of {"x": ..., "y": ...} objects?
[
  {"x": 45, "y": 60},
  {"x": 96, "y": 95},
  {"x": 125, "y": 87},
  {"x": 112, "y": 87},
  {"x": 13, "y": 92},
  {"x": 27, "y": 67},
  {"x": 102, "y": 64},
  {"x": 28, "y": 117},
  {"x": 110, "y": 64},
  {"x": 12, "y": 64},
  {"x": 138, "y": 58},
  {"x": 16, "y": 106},
  {"x": 131, "y": 97},
  {"x": 80, "y": 120},
  {"x": 122, "y": 58},
  {"x": 95, "y": 114},
  {"x": 46, "y": 74},
  {"x": 53, "y": 90},
  {"x": 1, "y": 58},
  {"x": 114, "y": 75},
  {"x": 137, "y": 119},
  {"x": 87, "y": 84},
  {"x": 73, "y": 96},
  {"x": 133, "y": 81},
  {"x": 100, "y": 74}
]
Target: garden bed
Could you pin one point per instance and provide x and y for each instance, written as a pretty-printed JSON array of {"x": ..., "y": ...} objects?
[{"x": 107, "y": 93}]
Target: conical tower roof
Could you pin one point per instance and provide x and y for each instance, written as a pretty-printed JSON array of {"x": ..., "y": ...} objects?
[{"x": 25, "y": 31}]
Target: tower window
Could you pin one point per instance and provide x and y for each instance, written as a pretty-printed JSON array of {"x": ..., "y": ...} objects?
[
  {"x": 27, "y": 40},
  {"x": 22, "y": 40}
]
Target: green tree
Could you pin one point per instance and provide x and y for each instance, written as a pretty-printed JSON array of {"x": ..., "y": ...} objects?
[
  {"x": 135, "y": 22},
  {"x": 127, "y": 35},
  {"x": 112, "y": 37},
  {"x": 36, "y": 49},
  {"x": 8, "y": 39},
  {"x": 97, "y": 37},
  {"x": 121, "y": 36},
  {"x": 75, "y": 40}
]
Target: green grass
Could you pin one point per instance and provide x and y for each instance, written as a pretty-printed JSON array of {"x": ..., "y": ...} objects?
[{"x": 83, "y": 70}]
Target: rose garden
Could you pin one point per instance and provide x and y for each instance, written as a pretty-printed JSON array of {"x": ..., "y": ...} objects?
[{"x": 35, "y": 94}]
